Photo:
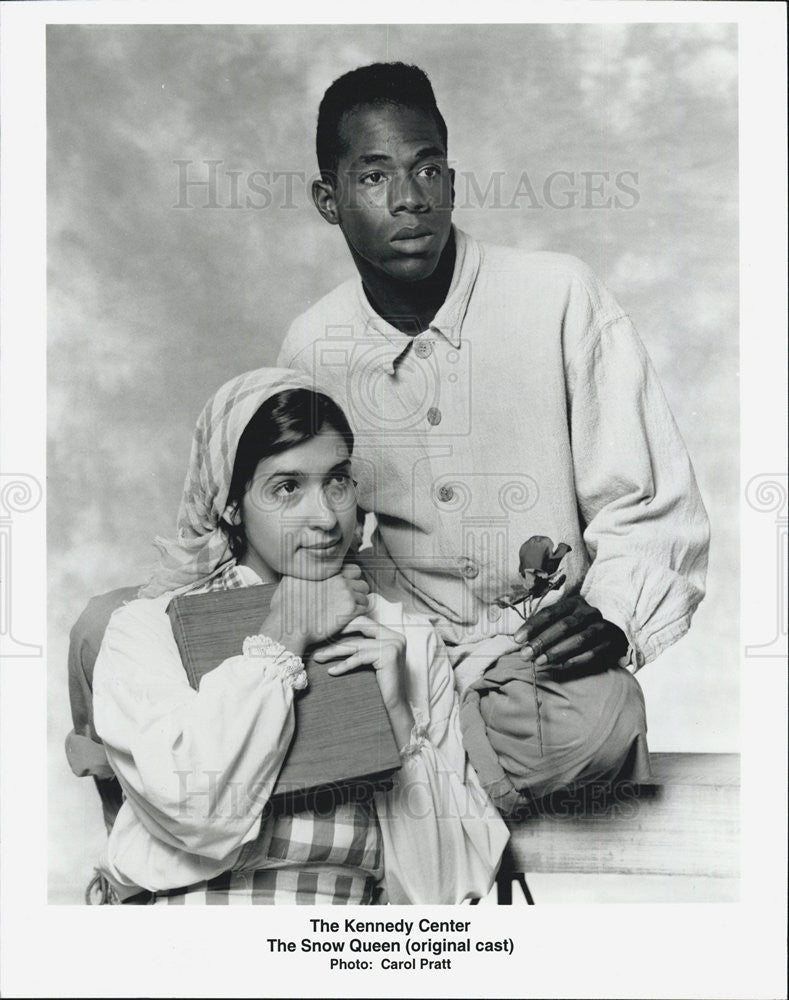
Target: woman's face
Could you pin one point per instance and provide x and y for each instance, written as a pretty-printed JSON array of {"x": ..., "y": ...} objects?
[{"x": 299, "y": 512}]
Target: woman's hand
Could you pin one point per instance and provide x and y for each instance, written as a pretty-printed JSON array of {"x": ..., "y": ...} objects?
[
  {"x": 384, "y": 650},
  {"x": 305, "y": 612}
]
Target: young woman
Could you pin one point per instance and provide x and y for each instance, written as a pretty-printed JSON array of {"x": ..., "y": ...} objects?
[{"x": 269, "y": 498}]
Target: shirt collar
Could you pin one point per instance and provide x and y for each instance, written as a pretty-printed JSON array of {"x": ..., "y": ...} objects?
[
  {"x": 447, "y": 322},
  {"x": 231, "y": 576},
  {"x": 247, "y": 575}
]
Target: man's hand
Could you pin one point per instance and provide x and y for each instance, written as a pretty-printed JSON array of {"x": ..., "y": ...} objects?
[{"x": 570, "y": 634}]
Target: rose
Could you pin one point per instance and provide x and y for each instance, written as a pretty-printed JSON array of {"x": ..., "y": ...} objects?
[
  {"x": 538, "y": 567},
  {"x": 539, "y": 564}
]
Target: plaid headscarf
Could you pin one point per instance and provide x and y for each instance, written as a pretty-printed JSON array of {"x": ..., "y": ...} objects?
[{"x": 201, "y": 548}]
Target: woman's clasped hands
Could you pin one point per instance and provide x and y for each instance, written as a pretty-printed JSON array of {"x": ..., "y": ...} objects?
[{"x": 304, "y": 613}]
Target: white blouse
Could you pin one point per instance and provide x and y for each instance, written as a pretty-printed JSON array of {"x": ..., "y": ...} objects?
[{"x": 187, "y": 759}]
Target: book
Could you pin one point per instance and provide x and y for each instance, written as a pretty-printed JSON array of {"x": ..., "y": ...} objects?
[{"x": 342, "y": 745}]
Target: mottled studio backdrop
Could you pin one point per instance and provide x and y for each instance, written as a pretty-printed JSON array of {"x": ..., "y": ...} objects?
[{"x": 614, "y": 143}]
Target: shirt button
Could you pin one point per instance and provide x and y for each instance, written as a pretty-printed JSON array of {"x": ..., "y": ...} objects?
[
  {"x": 423, "y": 348},
  {"x": 469, "y": 569},
  {"x": 445, "y": 493},
  {"x": 494, "y": 613},
  {"x": 434, "y": 415}
]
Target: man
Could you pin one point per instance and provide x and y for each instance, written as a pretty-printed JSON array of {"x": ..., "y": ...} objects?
[{"x": 497, "y": 395}]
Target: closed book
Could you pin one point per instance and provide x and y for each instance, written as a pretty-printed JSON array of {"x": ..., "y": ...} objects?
[{"x": 342, "y": 745}]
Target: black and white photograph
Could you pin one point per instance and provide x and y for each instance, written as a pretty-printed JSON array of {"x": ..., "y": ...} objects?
[{"x": 396, "y": 496}]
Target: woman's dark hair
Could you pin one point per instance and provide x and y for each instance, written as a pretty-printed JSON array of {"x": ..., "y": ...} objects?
[
  {"x": 286, "y": 419},
  {"x": 379, "y": 83}
]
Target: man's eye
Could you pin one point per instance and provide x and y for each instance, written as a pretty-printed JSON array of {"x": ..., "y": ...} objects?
[
  {"x": 374, "y": 177},
  {"x": 430, "y": 171},
  {"x": 340, "y": 488}
]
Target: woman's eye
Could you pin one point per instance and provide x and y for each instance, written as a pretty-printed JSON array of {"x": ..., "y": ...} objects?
[{"x": 286, "y": 488}]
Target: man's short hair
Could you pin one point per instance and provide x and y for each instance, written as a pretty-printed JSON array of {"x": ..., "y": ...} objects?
[{"x": 379, "y": 83}]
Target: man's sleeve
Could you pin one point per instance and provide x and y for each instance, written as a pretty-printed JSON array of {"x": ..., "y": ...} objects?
[
  {"x": 646, "y": 531},
  {"x": 84, "y": 749}
]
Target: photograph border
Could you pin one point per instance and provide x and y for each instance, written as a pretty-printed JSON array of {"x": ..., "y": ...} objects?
[{"x": 706, "y": 949}]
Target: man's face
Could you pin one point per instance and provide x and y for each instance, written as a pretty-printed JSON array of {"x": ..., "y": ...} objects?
[{"x": 394, "y": 191}]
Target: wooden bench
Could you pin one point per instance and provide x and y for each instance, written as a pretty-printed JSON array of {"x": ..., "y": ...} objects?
[{"x": 686, "y": 823}]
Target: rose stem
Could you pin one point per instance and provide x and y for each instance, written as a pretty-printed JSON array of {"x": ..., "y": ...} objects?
[{"x": 534, "y": 689}]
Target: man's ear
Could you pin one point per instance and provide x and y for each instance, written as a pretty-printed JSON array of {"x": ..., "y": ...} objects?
[{"x": 325, "y": 199}]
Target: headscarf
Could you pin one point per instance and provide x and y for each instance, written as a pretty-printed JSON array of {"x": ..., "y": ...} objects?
[{"x": 201, "y": 548}]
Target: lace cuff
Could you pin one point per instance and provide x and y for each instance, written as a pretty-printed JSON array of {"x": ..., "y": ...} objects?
[
  {"x": 415, "y": 744},
  {"x": 288, "y": 666}
]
